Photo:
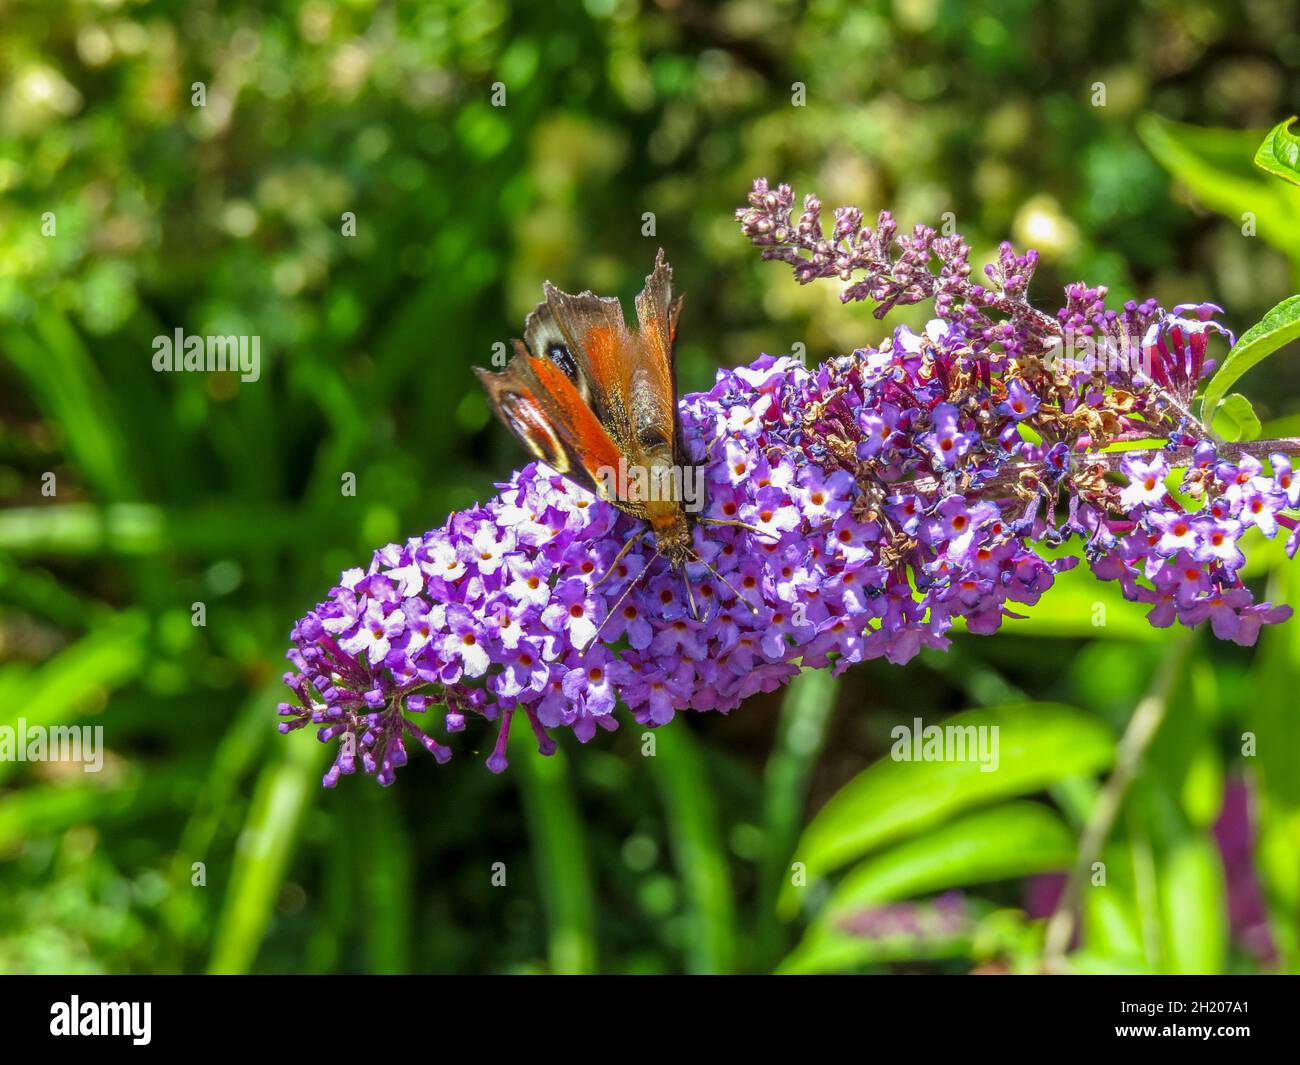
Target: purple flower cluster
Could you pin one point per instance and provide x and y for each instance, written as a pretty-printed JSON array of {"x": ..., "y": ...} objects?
[
  {"x": 898, "y": 269},
  {"x": 885, "y": 497},
  {"x": 1182, "y": 552},
  {"x": 490, "y": 613}
]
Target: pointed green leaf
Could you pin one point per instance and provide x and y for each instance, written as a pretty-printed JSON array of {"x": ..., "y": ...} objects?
[
  {"x": 284, "y": 792},
  {"x": 691, "y": 812},
  {"x": 1194, "y": 907},
  {"x": 1236, "y": 419},
  {"x": 1277, "y": 328},
  {"x": 1279, "y": 154},
  {"x": 1014, "y": 839},
  {"x": 1037, "y": 744},
  {"x": 1214, "y": 164},
  {"x": 832, "y": 951},
  {"x": 559, "y": 844}
]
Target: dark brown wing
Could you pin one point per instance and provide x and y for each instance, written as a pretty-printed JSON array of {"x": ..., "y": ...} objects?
[
  {"x": 542, "y": 407},
  {"x": 584, "y": 391},
  {"x": 654, "y": 379},
  {"x": 586, "y": 337}
]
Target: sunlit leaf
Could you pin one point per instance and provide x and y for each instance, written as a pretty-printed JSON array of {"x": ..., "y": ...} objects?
[
  {"x": 284, "y": 791},
  {"x": 1194, "y": 907},
  {"x": 1037, "y": 744},
  {"x": 1010, "y": 840},
  {"x": 697, "y": 849},
  {"x": 59, "y": 691},
  {"x": 805, "y": 713},
  {"x": 559, "y": 849},
  {"x": 1236, "y": 419},
  {"x": 1279, "y": 153},
  {"x": 1275, "y": 330},
  {"x": 1215, "y": 164}
]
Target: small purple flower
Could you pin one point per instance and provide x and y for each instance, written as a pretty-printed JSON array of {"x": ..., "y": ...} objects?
[
  {"x": 575, "y": 610},
  {"x": 947, "y": 442},
  {"x": 374, "y": 636},
  {"x": 823, "y": 498},
  {"x": 1222, "y": 608},
  {"x": 1218, "y": 543},
  {"x": 464, "y": 642},
  {"x": 1177, "y": 532},
  {"x": 1146, "y": 481},
  {"x": 772, "y": 513},
  {"x": 1020, "y": 402},
  {"x": 1285, "y": 480}
]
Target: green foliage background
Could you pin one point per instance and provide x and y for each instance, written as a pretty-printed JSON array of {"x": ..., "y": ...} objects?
[{"x": 171, "y": 490}]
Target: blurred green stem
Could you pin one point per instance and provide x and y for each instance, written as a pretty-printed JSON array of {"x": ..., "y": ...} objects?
[
  {"x": 1142, "y": 729},
  {"x": 559, "y": 846},
  {"x": 805, "y": 711},
  {"x": 697, "y": 849},
  {"x": 285, "y": 791}
]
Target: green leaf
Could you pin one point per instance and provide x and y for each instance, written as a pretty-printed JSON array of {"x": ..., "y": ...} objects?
[
  {"x": 1089, "y": 963},
  {"x": 1109, "y": 913},
  {"x": 1279, "y": 154},
  {"x": 285, "y": 789},
  {"x": 59, "y": 691},
  {"x": 801, "y": 733},
  {"x": 46, "y": 810},
  {"x": 1271, "y": 723},
  {"x": 831, "y": 951},
  {"x": 1236, "y": 419},
  {"x": 230, "y": 763},
  {"x": 1194, "y": 907},
  {"x": 386, "y": 885},
  {"x": 1037, "y": 745},
  {"x": 986, "y": 933},
  {"x": 1215, "y": 165},
  {"x": 69, "y": 390},
  {"x": 1081, "y": 606},
  {"x": 1279, "y": 327},
  {"x": 147, "y": 529},
  {"x": 1014, "y": 839}
]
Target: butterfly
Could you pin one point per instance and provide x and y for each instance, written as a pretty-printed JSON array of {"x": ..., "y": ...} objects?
[{"x": 597, "y": 402}]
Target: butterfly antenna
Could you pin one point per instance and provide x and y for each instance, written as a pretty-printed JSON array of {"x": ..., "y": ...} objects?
[
  {"x": 734, "y": 590},
  {"x": 619, "y": 557},
  {"x": 738, "y": 525},
  {"x": 619, "y": 601},
  {"x": 690, "y": 597}
]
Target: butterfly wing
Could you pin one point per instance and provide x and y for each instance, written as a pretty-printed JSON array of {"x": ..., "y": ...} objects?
[
  {"x": 628, "y": 379},
  {"x": 655, "y": 414},
  {"x": 585, "y": 336},
  {"x": 591, "y": 398},
  {"x": 543, "y": 408}
]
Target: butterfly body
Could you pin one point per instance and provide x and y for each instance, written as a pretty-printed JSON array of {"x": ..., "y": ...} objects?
[{"x": 597, "y": 401}]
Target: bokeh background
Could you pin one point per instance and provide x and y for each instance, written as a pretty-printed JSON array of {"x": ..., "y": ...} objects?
[{"x": 171, "y": 490}]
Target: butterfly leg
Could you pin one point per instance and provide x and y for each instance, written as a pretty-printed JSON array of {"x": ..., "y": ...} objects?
[
  {"x": 719, "y": 577},
  {"x": 619, "y": 557},
  {"x": 619, "y": 601},
  {"x": 690, "y": 596}
]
